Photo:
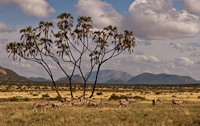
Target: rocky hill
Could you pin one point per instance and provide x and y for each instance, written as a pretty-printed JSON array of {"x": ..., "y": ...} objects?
[
  {"x": 75, "y": 79},
  {"x": 149, "y": 78},
  {"x": 40, "y": 79},
  {"x": 105, "y": 75},
  {"x": 114, "y": 81},
  {"x": 7, "y": 74}
]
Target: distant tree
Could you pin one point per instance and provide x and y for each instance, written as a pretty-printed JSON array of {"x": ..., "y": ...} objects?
[{"x": 71, "y": 46}]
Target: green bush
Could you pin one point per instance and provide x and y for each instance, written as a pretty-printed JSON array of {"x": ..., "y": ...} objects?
[
  {"x": 57, "y": 98},
  {"x": 115, "y": 97},
  {"x": 139, "y": 97},
  {"x": 157, "y": 93},
  {"x": 99, "y": 93},
  {"x": 14, "y": 99},
  {"x": 26, "y": 99},
  {"x": 45, "y": 95},
  {"x": 35, "y": 94}
]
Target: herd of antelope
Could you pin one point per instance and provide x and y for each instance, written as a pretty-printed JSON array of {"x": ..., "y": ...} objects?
[{"x": 90, "y": 102}]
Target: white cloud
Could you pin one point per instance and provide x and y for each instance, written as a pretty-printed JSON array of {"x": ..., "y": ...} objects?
[
  {"x": 102, "y": 13},
  {"x": 3, "y": 27},
  {"x": 37, "y": 8},
  {"x": 183, "y": 61},
  {"x": 183, "y": 47},
  {"x": 157, "y": 19},
  {"x": 144, "y": 59},
  {"x": 195, "y": 54},
  {"x": 192, "y": 6}
]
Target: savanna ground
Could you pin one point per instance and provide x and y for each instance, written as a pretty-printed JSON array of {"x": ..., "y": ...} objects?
[{"x": 16, "y": 104}]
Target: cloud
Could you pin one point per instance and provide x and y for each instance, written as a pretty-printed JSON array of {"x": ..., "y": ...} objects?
[
  {"x": 5, "y": 28},
  {"x": 37, "y": 8},
  {"x": 192, "y": 6},
  {"x": 139, "y": 53},
  {"x": 195, "y": 54},
  {"x": 145, "y": 43},
  {"x": 3, "y": 40},
  {"x": 102, "y": 13},
  {"x": 182, "y": 47},
  {"x": 183, "y": 61},
  {"x": 143, "y": 59},
  {"x": 157, "y": 19}
]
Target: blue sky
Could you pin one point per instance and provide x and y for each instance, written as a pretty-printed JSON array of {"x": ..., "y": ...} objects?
[{"x": 166, "y": 31}]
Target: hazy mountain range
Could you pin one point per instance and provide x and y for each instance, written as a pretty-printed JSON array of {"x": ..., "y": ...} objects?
[{"x": 107, "y": 77}]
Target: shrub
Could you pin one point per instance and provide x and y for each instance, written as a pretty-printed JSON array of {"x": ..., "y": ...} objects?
[
  {"x": 14, "y": 99},
  {"x": 26, "y": 99},
  {"x": 115, "y": 97},
  {"x": 45, "y": 96},
  {"x": 157, "y": 93},
  {"x": 173, "y": 96},
  {"x": 35, "y": 94},
  {"x": 99, "y": 93},
  {"x": 57, "y": 98},
  {"x": 198, "y": 96},
  {"x": 139, "y": 97}
]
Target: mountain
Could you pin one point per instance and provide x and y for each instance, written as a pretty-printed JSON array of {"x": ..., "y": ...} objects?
[
  {"x": 7, "y": 74},
  {"x": 114, "y": 81},
  {"x": 149, "y": 78},
  {"x": 40, "y": 79},
  {"x": 105, "y": 75}
]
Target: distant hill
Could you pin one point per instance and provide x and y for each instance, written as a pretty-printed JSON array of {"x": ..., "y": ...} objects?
[
  {"x": 114, "y": 81},
  {"x": 40, "y": 79},
  {"x": 7, "y": 74},
  {"x": 75, "y": 79},
  {"x": 105, "y": 75},
  {"x": 149, "y": 78}
]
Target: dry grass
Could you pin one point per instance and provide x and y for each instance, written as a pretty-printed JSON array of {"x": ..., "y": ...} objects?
[{"x": 139, "y": 114}]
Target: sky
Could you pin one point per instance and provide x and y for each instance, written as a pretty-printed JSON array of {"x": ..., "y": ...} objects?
[{"x": 167, "y": 32}]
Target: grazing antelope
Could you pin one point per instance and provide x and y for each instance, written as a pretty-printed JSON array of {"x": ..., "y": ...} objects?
[
  {"x": 174, "y": 102},
  {"x": 160, "y": 100},
  {"x": 131, "y": 100},
  {"x": 40, "y": 104},
  {"x": 123, "y": 102},
  {"x": 154, "y": 101},
  {"x": 95, "y": 103},
  {"x": 78, "y": 103},
  {"x": 69, "y": 99},
  {"x": 58, "y": 104},
  {"x": 82, "y": 98}
]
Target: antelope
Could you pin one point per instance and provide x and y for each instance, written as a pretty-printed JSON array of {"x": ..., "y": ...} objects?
[
  {"x": 160, "y": 100},
  {"x": 82, "y": 98},
  {"x": 154, "y": 101},
  {"x": 123, "y": 102},
  {"x": 131, "y": 100},
  {"x": 69, "y": 99},
  {"x": 176, "y": 102},
  {"x": 95, "y": 103},
  {"x": 78, "y": 103},
  {"x": 58, "y": 104},
  {"x": 40, "y": 104}
]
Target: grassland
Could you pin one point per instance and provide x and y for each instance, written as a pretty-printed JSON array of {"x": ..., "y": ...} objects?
[{"x": 19, "y": 112}]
